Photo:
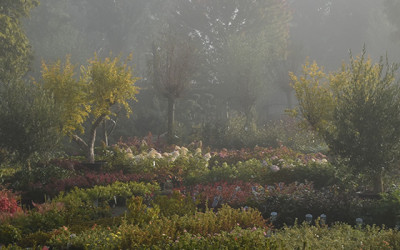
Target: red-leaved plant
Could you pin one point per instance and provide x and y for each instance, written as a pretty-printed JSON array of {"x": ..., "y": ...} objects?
[{"x": 8, "y": 204}]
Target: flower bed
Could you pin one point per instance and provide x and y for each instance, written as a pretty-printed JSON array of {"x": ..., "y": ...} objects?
[{"x": 194, "y": 199}]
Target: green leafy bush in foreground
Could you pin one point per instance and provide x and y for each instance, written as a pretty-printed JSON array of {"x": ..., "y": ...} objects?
[{"x": 304, "y": 236}]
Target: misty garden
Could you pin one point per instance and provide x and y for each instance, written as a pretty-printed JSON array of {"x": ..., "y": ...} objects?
[{"x": 199, "y": 124}]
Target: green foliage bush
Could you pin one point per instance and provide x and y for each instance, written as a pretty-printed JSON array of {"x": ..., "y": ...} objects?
[
  {"x": 357, "y": 111},
  {"x": 226, "y": 219},
  {"x": 139, "y": 213},
  {"x": 175, "y": 204},
  {"x": 9, "y": 234},
  {"x": 321, "y": 175},
  {"x": 35, "y": 239},
  {"x": 339, "y": 236},
  {"x": 30, "y": 122},
  {"x": 235, "y": 134},
  {"x": 94, "y": 238},
  {"x": 34, "y": 221},
  {"x": 161, "y": 236},
  {"x": 106, "y": 193},
  {"x": 93, "y": 203}
]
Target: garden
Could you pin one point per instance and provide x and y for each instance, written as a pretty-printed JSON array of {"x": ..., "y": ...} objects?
[
  {"x": 138, "y": 196},
  {"x": 217, "y": 133}
]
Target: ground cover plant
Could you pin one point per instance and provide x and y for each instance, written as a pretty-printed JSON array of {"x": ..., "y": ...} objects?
[{"x": 194, "y": 198}]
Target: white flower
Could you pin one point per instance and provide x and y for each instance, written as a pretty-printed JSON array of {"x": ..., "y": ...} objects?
[
  {"x": 175, "y": 154},
  {"x": 197, "y": 152},
  {"x": 158, "y": 155},
  {"x": 129, "y": 155},
  {"x": 152, "y": 153},
  {"x": 138, "y": 157},
  {"x": 184, "y": 150},
  {"x": 207, "y": 156},
  {"x": 274, "y": 168}
]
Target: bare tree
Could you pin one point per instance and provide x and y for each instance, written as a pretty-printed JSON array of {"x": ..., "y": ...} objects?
[{"x": 172, "y": 68}]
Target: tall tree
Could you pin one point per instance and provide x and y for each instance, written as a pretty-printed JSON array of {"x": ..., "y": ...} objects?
[
  {"x": 30, "y": 122},
  {"x": 249, "y": 26},
  {"x": 172, "y": 68},
  {"x": 15, "y": 51},
  {"x": 357, "y": 111},
  {"x": 102, "y": 85}
]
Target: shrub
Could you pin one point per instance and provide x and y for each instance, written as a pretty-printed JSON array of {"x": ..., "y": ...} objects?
[
  {"x": 90, "y": 179},
  {"x": 139, "y": 213},
  {"x": 175, "y": 204},
  {"x": 226, "y": 219},
  {"x": 235, "y": 194},
  {"x": 9, "y": 234},
  {"x": 95, "y": 238},
  {"x": 35, "y": 239},
  {"x": 8, "y": 203},
  {"x": 320, "y": 174},
  {"x": 34, "y": 221},
  {"x": 338, "y": 236},
  {"x": 357, "y": 111}
]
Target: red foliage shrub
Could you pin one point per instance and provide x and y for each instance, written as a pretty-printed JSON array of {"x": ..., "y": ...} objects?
[
  {"x": 234, "y": 194},
  {"x": 91, "y": 179},
  {"x": 8, "y": 204}
]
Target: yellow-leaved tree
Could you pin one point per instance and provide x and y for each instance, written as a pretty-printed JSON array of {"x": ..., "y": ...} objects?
[
  {"x": 101, "y": 85},
  {"x": 357, "y": 111}
]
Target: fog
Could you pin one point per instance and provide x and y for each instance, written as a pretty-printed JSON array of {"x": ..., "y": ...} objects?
[{"x": 237, "y": 53}]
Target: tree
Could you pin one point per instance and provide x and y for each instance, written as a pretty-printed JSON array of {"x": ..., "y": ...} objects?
[
  {"x": 235, "y": 35},
  {"x": 243, "y": 72},
  {"x": 357, "y": 112},
  {"x": 30, "y": 122},
  {"x": 172, "y": 68},
  {"x": 15, "y": 53},
  {"x": 102, "y": 85}
]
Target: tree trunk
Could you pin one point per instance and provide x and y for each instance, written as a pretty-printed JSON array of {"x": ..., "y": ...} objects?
[
  {"x": 92, "y": 138},
  {"x": 378, "y": 182},
  {"x": 82, "y": 144},
  {"x": 105, "y": 132},
  {"x": 250, "y": 125},
  {"x": 171, "y": 119}
]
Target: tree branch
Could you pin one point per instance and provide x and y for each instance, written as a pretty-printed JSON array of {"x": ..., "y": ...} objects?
[{"x": 80, "y": 142}]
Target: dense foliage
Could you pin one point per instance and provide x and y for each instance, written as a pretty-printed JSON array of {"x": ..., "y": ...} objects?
[
  {"x": 15, "y": 51},
  {"x": 356, "y": 110},
  {"x": 29, "y": 128},
  {"x": 189, "y": 197},
  {"x": 102, "y": 85}
]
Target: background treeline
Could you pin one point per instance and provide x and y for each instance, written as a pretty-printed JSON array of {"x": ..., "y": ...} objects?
[
  {"x": 234, "y": 57},
  {"x": 242, "y": 52}
]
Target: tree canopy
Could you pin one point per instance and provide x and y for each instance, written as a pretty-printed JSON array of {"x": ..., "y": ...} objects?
[
  {"x": 101, "y": 85},
  {"x": 357, "y": 111},
  {"x": 15, "y": 51},
  {"x": 30, "y": 121}
]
